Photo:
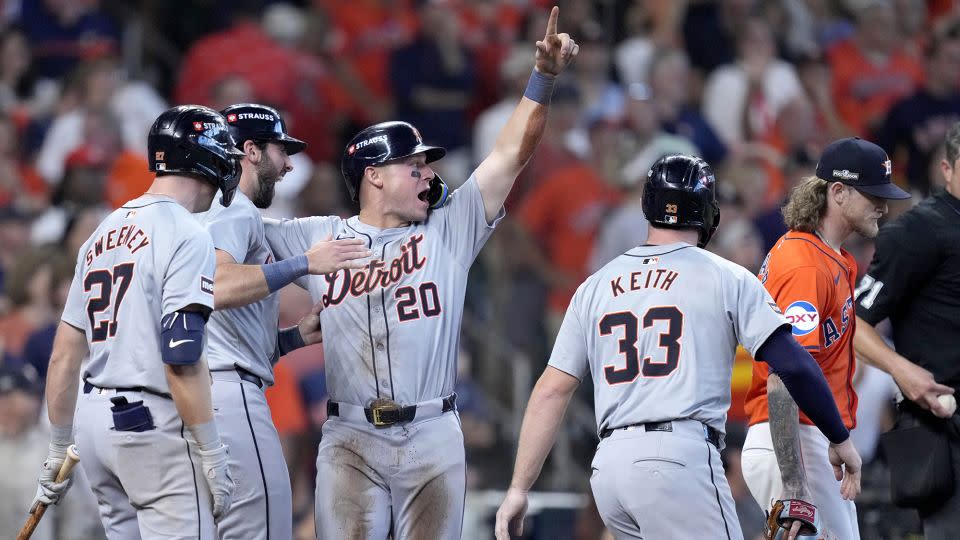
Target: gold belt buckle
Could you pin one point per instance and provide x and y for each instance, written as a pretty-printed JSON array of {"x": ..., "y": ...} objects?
[{"x": 380, "y": 406}]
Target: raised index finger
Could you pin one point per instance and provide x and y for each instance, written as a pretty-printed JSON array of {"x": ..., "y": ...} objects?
[{"x": 552, "y": 21}]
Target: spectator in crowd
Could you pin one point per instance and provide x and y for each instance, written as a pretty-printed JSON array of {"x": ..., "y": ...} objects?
[
  {"x": 514, "y": 72},
  {"x": 96, "y": 87},
  {"x": 20, "y": 184},
  {"x": 817, "y": 81},
  {"x": 560, "y": 218},
  {"x": 28, "y": 287},
  {"x": 39, "y": 343},
  {"x": 710, "y": 31},
  {"x": 433, "y": 81},
  {"x": 871, "y": 70},
  {"x": 14, "y": 238},
  {"x": 600, "y": 96},
  {"x": 738, "y": 241},
  {"x": 242, "y": 50},
  {"x": 23, "y": 96},
  {"x": 917, "y": 124},
  {"x": 669, "y": 82},
  {"x": 64, "y": 33},
  {"x": 22, "y": 437},
  {"x": 632, "y": 56},
  {"x": 741, "y": 100},
  {"x": 911, "y": 17}
]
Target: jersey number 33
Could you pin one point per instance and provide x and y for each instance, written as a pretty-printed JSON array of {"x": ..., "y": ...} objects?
[{"x": 632, "y": 326}]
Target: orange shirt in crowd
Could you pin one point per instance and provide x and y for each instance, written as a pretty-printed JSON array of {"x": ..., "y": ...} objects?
[
  {"x": 367, "y": 33},
  {"x": 285, "y": 401},
  {"x": 813, "y": 285},
  {"x": 864, "y": 91},
  {"x": 129, "y": 178},
  {"x": 244, "y": 50},
  {"x": 564, "y": 214}
]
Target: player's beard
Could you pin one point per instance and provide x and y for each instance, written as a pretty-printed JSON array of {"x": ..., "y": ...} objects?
[
  {"x": 868, "y": 228},
  {"x": 268, "y": 174}
]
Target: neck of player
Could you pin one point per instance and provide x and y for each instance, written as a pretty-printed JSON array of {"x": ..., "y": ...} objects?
[
  {"x": 193, "y": 194},
  {"x": 660, "y": 236},
  {"x": 833, "y": 232},
  {"x": 380, "y": 220}
]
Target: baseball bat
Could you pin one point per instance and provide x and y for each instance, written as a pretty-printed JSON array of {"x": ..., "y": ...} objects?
[{"x": 73, "y": 457}]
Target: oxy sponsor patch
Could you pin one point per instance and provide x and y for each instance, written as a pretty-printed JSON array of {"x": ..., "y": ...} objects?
[{"x": 803, "y": 316}]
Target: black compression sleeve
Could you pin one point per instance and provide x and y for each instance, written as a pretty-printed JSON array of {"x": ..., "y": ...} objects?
[{"x": 805, "y": 382}]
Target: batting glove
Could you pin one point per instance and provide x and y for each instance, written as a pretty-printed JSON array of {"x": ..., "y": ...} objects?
[
  {"x": 217, "y": 473},
  {"x": 49, "y": 491}
]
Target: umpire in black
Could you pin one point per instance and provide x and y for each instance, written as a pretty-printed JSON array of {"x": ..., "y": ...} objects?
[{"x": 914, "y": 280}]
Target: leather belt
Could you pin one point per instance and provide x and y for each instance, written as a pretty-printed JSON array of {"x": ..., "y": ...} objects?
[
  {"x": 248, "y": 376},
  {"x": 712, "y": 435},
  {"x": 390, "y": 413},
  {"x": 89, "y": 387}
]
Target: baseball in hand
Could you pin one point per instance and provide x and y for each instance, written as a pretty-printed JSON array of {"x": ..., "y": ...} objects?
[{"x": 948, "y": 402}]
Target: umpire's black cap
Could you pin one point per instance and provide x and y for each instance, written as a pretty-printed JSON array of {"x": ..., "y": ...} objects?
[
  {"x": 861, "y": 165},
  {"x": 255, "y": 122}
]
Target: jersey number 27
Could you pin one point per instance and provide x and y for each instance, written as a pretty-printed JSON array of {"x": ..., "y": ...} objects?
[
  {"x": 669, "y": 341},
  {"x": 105, "y": 280}
]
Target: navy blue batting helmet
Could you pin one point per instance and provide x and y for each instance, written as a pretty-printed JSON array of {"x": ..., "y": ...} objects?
[
  {"x": 255, "y": 122},
  {"x": 195, "y": 140},
  {"x": 378, "y": 144},
  {"x": 681, "y": 193}
]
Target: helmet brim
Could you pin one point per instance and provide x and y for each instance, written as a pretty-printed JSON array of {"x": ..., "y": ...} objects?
[{"x": 291, "y": 144}]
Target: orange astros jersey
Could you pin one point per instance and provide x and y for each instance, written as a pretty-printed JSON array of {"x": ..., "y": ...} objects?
[{"x": 813, "y": 285}]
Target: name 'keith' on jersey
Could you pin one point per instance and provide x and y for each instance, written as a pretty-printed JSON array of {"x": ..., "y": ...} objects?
[{"x": 657, "y": 328}]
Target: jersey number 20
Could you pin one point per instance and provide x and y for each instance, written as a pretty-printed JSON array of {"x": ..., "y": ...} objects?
[
  {"x": 105, "y": 280},
  {"x": 669, "y": 340}
]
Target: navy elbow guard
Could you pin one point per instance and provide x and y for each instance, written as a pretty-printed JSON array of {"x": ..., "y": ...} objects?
[{"x": 181, "y": 337}]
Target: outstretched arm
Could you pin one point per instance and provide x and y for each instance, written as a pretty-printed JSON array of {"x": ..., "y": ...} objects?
[
  {"x": 916, "y": 383},
  {"x": 548, "y": 402},
  {"x": 520, "y": 136}
]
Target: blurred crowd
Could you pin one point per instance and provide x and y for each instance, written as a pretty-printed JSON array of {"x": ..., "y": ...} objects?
[{"x": 755, "y": 87}]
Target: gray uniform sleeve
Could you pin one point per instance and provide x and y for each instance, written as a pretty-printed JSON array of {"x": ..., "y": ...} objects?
[
  {"x": 74, "y": 311},
  {"x": 189, "y": 276},
  {"x": 464, "y": 226},
  {"x": 570, "y": 349},
  {"x": 754, "y": 313},
  {"x": 288, "y": 237},
  {"x": 232, "y": 229}
]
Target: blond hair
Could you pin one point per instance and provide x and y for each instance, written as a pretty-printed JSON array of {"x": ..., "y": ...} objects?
[{"x": 807, "y": 205}]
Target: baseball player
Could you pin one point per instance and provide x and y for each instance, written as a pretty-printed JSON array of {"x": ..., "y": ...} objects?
[
  {"x": 139, "y": 303},
  {"x": 392, "y": 456},
  {"x": 657, "y": 330},
  {"x": 243, "y": 340},
  {"x": 812, "y": 280}
]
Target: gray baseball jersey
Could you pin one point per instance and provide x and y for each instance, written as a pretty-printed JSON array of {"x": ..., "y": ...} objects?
[
  {"x": 657, "y": 328},
  {"x": 391, "y": 331},
  {"x": 147, "y": 259},
  {"x": 245, "y": 336},
  {"x": 394, "y": 327}
]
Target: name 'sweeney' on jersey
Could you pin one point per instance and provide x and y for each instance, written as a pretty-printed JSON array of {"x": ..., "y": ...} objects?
[
  {"x": 658, "y": 278},
  {"x": 377, "y": 274},
  {"x": 129, "y": 236}
]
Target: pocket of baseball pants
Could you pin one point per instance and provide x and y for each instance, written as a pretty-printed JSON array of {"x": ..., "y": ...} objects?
[{"x": 138, "y": 464}]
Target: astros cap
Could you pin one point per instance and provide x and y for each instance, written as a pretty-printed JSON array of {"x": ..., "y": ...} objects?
[{"x": 861, "y": 165}]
